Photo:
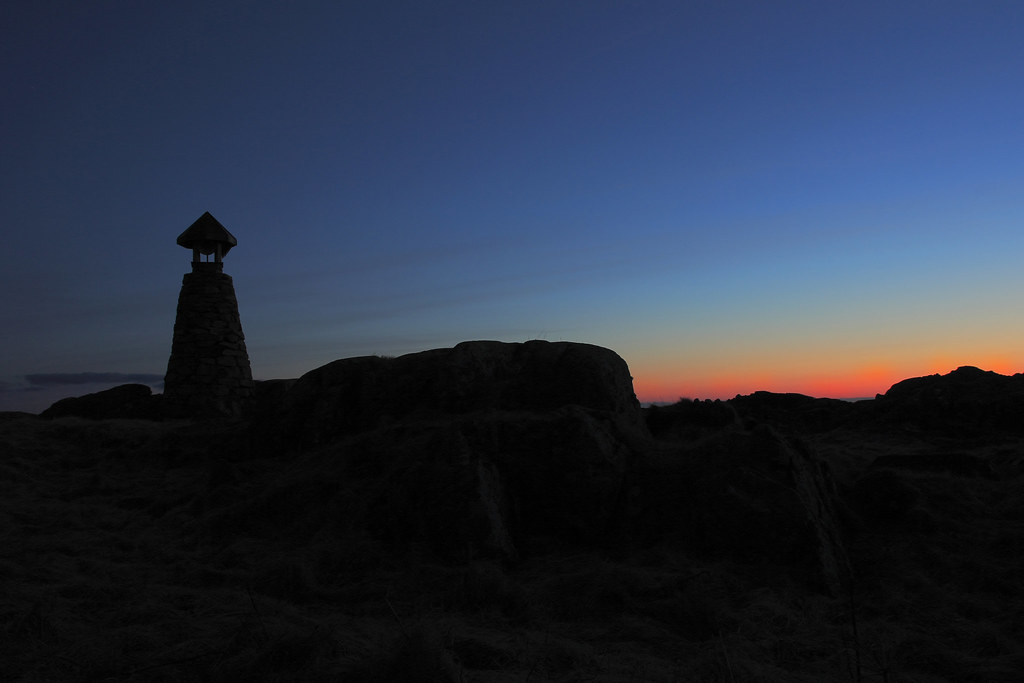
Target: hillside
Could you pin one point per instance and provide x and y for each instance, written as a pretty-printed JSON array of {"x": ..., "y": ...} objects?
[{"x": 508, "y": 512}]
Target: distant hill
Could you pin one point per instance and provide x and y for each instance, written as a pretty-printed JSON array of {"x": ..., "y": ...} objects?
[{"x": 964, "y": 402}]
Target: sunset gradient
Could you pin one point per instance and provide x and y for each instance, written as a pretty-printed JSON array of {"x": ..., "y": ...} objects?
[{"x": 822, "y": 198}]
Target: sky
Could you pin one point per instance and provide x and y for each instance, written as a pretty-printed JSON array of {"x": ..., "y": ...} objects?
[{"x": 813, "y": 197}]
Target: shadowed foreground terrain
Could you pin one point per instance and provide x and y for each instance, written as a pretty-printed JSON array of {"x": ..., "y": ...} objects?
[{"x": 508, "y": 512}]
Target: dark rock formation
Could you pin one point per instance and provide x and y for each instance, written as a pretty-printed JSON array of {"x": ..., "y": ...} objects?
[
  {"x": 794, "y": 411},
  {"x": 487, "y": 448},
  {"x": 131, "y": 401},
  {"x": 9, "y": 415},
  {"x": 486, "y": 484},
  {"x": 960, "y": 464},
  {"x": 753, "y": 496},
  {"x": 359, "y": 394},
  {"x": 528, "y": 538},
  {"x": 503, "y": 450},
  {"x": 965, "y": 402},
  {"x": 883, "y": 497},
  {"x": 689, "y": 419}
]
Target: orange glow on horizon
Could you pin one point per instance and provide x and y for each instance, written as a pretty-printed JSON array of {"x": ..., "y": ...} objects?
[{"x": 861, "y": 382}]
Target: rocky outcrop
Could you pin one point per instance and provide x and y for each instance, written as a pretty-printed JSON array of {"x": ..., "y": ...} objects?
[
  {"x": 753, "y": 496},
  {"x": 689, "y": 419},
  {"x": 487, "y": 484},
  {"x": 883, "y": 497},
  {"x": 128, "y": 401},
  {"x": 510, "y": 450},
  {"x": 954, "y": 463},
  {"x": 360, "y": 394},
  {"x": 794, "y": 411},
  {"x": 487, "y": 448},
  {"x": 965, "y": 402}
]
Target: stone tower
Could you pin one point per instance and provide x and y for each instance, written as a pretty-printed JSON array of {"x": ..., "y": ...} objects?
[{"x": 208, "y": 374}]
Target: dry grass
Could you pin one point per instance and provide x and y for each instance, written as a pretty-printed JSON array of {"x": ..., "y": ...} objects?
[{"x": 136, "y": 551}]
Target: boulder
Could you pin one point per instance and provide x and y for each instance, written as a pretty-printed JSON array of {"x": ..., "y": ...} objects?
[
  {"x": 127, "y": 401},
  {"x": 958, "y": 464},
  {"x": 793, "y": 411},
  {"x": 488, "y": 485},
  {"x": 753, "y": 496},
  {"x": 964, "y": 403},
  {"x": 883, "y": 497},
  {"x": 687, "y": 420},
  {"x": 487, "y": 448},
  {"x": 353, "y": 395},
  {"x": 510, "y": 450}
]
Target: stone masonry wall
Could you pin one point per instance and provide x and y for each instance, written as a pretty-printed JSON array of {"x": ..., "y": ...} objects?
[{"x": 208, "y": 374}]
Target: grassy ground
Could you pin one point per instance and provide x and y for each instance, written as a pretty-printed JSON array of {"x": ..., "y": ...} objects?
[{"x": 159, "y": 551}]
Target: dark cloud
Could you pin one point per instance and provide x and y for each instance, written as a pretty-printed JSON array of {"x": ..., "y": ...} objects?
[{"x": 65, "y": 378}]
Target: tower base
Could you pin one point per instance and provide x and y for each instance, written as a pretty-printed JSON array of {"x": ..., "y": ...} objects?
[{"x": 208, "y": 374}]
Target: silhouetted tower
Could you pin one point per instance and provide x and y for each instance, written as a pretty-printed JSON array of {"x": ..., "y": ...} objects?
[{"x": 208, "y": 374}]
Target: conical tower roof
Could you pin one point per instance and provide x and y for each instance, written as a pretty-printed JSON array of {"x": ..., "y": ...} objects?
[{"x": 205, "y": 233}]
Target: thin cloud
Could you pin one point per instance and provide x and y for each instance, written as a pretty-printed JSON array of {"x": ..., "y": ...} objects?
[{"x": 75, "y": 378}]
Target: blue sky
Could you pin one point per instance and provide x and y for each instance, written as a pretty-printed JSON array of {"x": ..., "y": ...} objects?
[{"x": 802, "y": 196}]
